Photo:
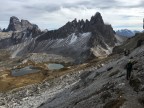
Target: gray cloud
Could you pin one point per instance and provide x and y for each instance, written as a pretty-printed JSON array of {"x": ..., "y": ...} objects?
[
  {"x": 141, "y": 4},
  {"x": 47, "y": 10},
  {"x": 130, "y": 16},
  {"x": 122, "y": 5},
  {"x": 102, "y": 4}
]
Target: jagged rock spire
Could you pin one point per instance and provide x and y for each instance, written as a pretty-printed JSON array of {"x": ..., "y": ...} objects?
[
  {"x": 14, "y": 24},
  {"x": 97, "y": 19}
]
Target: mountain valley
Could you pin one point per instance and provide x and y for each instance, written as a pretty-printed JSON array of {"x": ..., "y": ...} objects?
[{"x": 93, "y": 70}]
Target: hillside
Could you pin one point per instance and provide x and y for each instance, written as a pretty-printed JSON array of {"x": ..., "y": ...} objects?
[
  {"x": 96, "y": 84},
  {"x": 130, "y": 43}
]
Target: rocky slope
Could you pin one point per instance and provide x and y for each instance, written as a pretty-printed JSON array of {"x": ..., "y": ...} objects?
[
  {"x": 100, "y": 85},
  {"x": 106, "y": 87},
  {"x": 130, "y": 43},
  {"x": 78, "y": 40}
]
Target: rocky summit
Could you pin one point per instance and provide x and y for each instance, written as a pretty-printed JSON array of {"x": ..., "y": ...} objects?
[{"x": 16, "y": 25}]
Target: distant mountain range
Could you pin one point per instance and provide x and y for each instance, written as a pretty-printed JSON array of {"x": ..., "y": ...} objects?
[
  {"x": 126, "y": 32},
  {"x": 79, "y": 40}
]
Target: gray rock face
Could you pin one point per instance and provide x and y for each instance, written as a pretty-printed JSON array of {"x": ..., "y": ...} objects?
[{"x": 16, "y": 25}]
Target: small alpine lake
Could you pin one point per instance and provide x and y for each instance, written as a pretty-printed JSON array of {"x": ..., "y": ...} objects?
[
  {"x": 54, "y": 66},
  {"x": 24, "y": 71}
]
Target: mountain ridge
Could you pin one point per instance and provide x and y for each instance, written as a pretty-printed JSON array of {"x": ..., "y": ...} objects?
[
  {"x": 126, "y": 32},
  {"x": 16, "y": 25},
  {"x": 99, "y": 41}
]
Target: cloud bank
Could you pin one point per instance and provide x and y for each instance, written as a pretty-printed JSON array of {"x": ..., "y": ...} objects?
[{"x": 52, "y": 14}]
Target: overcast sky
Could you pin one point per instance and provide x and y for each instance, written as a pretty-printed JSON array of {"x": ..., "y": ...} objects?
[{"x": 52, "y": 14}]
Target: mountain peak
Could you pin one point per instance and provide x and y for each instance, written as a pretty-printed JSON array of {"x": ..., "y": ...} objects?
[
  {"x": 16, "y": 25},
  {"x": 97, "y": 14},
  {"x": 126, "y": 32},
  {"x": 14, "y": 18},
  {"x": 97, "y": 18}
]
